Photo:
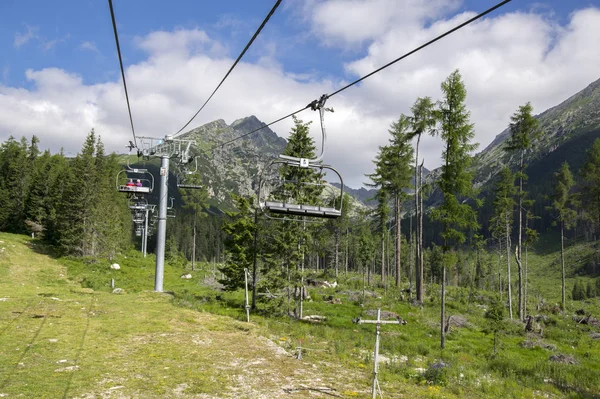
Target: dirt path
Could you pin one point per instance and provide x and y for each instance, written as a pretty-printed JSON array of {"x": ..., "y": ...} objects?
[{"x": 60, "y": 341}]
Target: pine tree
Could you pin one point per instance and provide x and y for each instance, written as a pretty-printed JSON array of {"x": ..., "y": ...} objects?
[
  {"x": 77, "y": 205},
  {"x": 524, "y": 130},
  {"x": 392, "y": 175},
  {"x": 590, "y": 184},
  {"x": 302, "y": 186},
  {"x": 455, "y": 183},
  {"x": 15, "y": 170},
  {"x": 564, "y": 204},
  {"x": 502, "y": 220},
  {"x": 195, "y": 200},
  {"x": 239, "y": 244},
  {"x": 422, "y": 121}
]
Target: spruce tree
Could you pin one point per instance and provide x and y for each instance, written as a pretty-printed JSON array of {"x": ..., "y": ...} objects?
[
  {"x": 502, "y": 220},
  {"x": 455, "y": 213},
  {"x": 524, "y": 130},
  {"x": 392, "y": 175},
  {"x": 423, "y": 120},
  {"x": 239, "y": 244},
  {"x": 302, "y": 186},
  {"x": 564, "y": 205},
  {"x": 590, "y": 184}
]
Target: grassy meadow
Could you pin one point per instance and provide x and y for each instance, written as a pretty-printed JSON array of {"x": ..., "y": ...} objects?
[{"x": 63, "y": 334}]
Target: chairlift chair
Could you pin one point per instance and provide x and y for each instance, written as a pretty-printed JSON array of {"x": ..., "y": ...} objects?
[
  {"x": 272, "y": 198},
  {"x": 183, "y": 181},
  {"x": 127, "y": 178},
  {"x": 171, "y": 208},
  {"x": 138, "y": 204}
]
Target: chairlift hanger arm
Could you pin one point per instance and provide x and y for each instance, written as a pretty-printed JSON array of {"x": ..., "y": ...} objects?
[{"x": 320, "y": 106}]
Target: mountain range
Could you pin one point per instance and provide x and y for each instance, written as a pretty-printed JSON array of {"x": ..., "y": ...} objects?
[{"x": 568, "y": 129}]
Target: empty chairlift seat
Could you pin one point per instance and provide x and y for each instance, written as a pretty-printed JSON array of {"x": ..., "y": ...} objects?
[{"x": 302, "y": 210}]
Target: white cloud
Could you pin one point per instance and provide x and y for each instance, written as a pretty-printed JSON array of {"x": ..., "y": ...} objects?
[
  {"x": 23, "y": 38},
  {"x": 89, "y": 46},
  {"x": 355, "y": 21},
  {"x": 505, "y": 61}
]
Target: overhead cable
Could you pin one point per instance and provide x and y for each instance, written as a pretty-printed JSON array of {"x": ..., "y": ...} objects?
[
  {"x": 260, "y": 128},
  {"x": 235, "y": 63},
  {"x": 421, "y": 47},
  {"x": 475, "y": 18},
  {"x": 114, "y": 23}
]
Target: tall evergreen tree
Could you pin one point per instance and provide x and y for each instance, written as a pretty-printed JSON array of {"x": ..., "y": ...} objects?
[
  {"x": 15, "y": 170},
  {"x": 524, "y": 130},
  {"x": 392, "y": 175},
  {"x": 239, "y": 244},
  {"x": 423, "y": 120},
  {"x": 455, "y": 213},
  {"x": 502, "y": 220},
  {"x": 590, "y": 184},
  {"x": 195, "y": 200},
  {"x": 302, "y": 185},
  {"x": 564, "y": 205}
]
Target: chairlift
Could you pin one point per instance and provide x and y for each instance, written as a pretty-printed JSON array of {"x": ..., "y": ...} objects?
[
  {"x": 135, "y": 181},
  {"x": 171, "y": 208},
  {"x": 138, "y": 217},
  {"x": 279, "y": 196},
  {"x": 183, "y": 180},
  {"x": 138, "y": 204}
]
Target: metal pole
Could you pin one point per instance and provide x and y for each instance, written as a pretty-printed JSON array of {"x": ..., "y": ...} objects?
[
  {"x": 145, "y": 244},
  {"x": 376, "y": 356},
  {"x": 255, "y": 250},
  {"x": 247, "y": 305},
  {"x": 162, "y": 223}
]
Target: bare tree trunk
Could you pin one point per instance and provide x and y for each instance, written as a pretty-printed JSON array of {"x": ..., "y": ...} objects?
[
  {"x": 337, "y": 251},
  {"x": 520, "y": 243},
  {"x": 398, "y": 242},
  {"x": 525, "y": 286},
  {"x": 418, "y": 275},
  {"x": 510, "y": 310},
  {"x": 383, "y": 257},
  {"x": 347, "y": 247},
  {"x": 194, "y": 245},
  {"x": 443, "y": 309},
  {"x": 562, "y": 261},
  {"x": 420, "y": 288}
]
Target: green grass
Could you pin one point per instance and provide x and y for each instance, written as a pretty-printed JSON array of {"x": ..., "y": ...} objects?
[{"x": 194, "y": 341}]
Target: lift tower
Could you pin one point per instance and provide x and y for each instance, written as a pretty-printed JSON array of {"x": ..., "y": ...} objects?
[{"x": 166, "y": 148}]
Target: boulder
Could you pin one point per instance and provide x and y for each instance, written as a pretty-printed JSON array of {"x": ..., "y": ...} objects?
[
  {"x": 186, "y": 276},
  {"x": 115, "y": 266},
  {"x": 118, "y": 291}
]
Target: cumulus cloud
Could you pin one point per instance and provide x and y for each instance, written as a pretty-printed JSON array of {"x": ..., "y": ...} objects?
[
  {"x": 505, "y": 60},
  {"x": 355, "y": 21}
]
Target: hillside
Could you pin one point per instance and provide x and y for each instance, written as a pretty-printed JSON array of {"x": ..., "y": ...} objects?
[
  {"x": 59, "y": 340},
  {"x": 573, "y": 123},
  {"x": 64, "y": 334}
]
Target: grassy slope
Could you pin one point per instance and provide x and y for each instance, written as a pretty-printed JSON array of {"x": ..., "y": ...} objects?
[
  {"x": 58, "y": 340},
  {"x": 143, "y": 344}
]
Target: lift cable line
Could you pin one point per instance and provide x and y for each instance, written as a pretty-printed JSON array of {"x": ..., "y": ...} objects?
[
  {"x": 114, "y": 24},
  {"x": 475, "y": 18},
  {"x": 421, "y": 47},
  {"x": 235, "y": 63}
]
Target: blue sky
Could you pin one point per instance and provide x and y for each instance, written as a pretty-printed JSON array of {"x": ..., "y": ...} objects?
[{"x": 176, "y": 52}]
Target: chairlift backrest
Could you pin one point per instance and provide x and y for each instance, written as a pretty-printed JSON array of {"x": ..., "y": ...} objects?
[
  {"x": 135, "y": 181},
  {"x": 290, "y": 207}
]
